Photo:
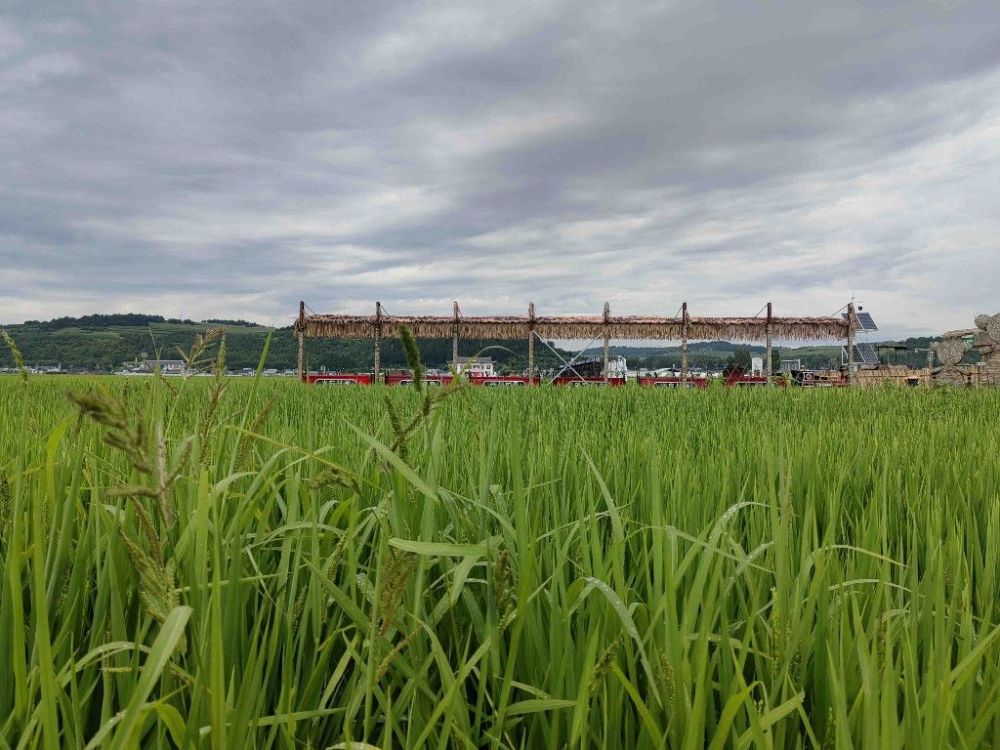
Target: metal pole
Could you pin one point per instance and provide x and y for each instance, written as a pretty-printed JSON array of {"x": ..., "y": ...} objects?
[
  {"x": 454, "y": 337},
  {"x": 531, "y": 341},
  {"x": 607, "y": 316},
  {"x": 767, "y": 367},
  {"x": 684, "y": 342},
  {"x": 850, "y": 343},
  {"x": 378, "y": 342},
  {"x": 302, "y": 340}
]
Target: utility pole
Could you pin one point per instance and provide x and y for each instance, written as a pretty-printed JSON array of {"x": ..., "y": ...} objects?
[{"x": 850, "y": 343}]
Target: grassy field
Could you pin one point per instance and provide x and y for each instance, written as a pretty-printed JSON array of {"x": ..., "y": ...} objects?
[{"x": 274, "y": 566}]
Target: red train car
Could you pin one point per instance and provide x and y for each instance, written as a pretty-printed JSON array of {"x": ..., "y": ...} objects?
[
  {"x": 502, "y": 381},
  {"x": 573, "y": 382},
  {"x": 352, "y": 378},
  {"x": 406, "y": 378},
  {"x": 652, "y": 381},
  {"x": 745, "y": 381}
]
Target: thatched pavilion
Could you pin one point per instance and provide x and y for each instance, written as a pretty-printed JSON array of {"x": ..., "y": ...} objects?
[{"x": 683, "y": 328}]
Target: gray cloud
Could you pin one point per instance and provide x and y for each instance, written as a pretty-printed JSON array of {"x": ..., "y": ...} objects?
[{"x": 226, "y": 159}]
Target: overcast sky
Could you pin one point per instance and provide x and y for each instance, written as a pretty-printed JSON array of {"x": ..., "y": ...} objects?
[{"x": 225, "y": 159}]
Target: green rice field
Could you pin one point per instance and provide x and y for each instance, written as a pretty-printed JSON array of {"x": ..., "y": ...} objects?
[{"x": 254, "y": 563}]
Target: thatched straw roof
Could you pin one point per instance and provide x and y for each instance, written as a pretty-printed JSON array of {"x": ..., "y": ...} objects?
[{"x": 570, "y": 327}]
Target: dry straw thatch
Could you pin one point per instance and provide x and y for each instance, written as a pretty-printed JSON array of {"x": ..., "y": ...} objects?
[{"x": 572, "y": 327}]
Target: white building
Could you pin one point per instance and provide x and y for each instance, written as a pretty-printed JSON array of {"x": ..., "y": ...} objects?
[
  {"x": 617, "y": 367},
  {"x": 481, "y": 367},
  {"x": 165, "y": 366}
]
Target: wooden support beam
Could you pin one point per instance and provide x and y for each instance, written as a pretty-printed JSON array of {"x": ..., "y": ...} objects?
[
  {"x": 302, "y": 340},
  {"x": 684, "y": 342},
  {"x": 531, "y": 340},
  {"x": 607, "y": 340},
  {"x": 378, "y": 342},
  {"x": 768, "y": 369},
  {"x": 454, "y": 336}
]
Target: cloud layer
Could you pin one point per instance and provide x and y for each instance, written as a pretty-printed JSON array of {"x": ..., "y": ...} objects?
[{"x": 226, "y": 159}]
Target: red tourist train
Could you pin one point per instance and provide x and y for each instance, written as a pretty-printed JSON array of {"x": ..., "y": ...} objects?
[
  {"x": 496, "y": 381},
  {"x": 435, "y": 380}
]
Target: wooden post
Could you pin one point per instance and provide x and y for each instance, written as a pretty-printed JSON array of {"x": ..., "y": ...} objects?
[
  {"x": 607, "y": 341},
  {"x": 850, "y": 343},
  {"x": 531, "y": 341},
  {"x": 302, "y": 340},
  {"x": 454, "y": 336},
  {"x": 768, "y": 369},
  {"x": 684, "y": 342},
  {"x": 378, "y": 342}
]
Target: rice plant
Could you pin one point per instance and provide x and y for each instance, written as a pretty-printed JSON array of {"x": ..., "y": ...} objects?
[{"x": 254, "y": 563}]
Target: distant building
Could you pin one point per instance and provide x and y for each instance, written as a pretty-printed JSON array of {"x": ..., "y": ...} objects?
[
  {"x": 481, "y": 367},
  {"x": 617, "y": 367},
  {"x": 165, "y": 366},
  {"x": 790, "y": 365},
  {"x": 756, "y": 366}
]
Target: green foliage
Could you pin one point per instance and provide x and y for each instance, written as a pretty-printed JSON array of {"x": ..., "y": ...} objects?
[{"x": 268, "y": 565}]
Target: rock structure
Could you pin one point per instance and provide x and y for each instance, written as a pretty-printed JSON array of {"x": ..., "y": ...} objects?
[
  {"x": 987, "y": 341},
  {"x": 949, "y": 352},
  {"x": 952, "y": 348}
]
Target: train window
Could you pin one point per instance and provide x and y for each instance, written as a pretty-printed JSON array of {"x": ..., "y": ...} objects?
[
  {"x": 329, "y": 381},
  {"x": 492, "y": 383}
]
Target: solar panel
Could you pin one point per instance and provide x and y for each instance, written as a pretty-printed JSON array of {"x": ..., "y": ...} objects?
[
  {"x": 868, "y": 353},
  {"x": 864, "y": 354},
  {"x": 865, "y": 321}
]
